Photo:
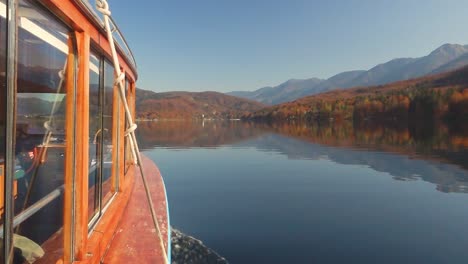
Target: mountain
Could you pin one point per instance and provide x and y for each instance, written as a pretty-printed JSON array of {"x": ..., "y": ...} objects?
[
  {"x": 286, "y": 90},
  {"x": 191, "y": 105},
  {"x": 445, "y": 58},
  {"x": 383, "y": 73},
  {"x": 343, "y": 78},
  {"x": 339, "y": 80},
  {"x": 454, "y": 64},
  {"x": 437, "y": 96},
  {"x": 408, "y": 68},
  {"x": 291, "y": 90}
]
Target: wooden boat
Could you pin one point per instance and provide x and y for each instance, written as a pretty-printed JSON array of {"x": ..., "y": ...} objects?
[{"x": 73, "y": 185}]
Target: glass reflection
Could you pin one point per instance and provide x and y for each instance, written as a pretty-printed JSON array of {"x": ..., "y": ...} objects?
[
  {"x": 95, "y": 108},
  {"x": 40, "y": 133},
  {"x": 107, "y": 133}
]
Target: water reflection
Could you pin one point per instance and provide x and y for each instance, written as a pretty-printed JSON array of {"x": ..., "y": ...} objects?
[
  {"x": 179, "y": 134},
  {"x": 447, "y": 177},
  {"x": 435, "y": 154}
]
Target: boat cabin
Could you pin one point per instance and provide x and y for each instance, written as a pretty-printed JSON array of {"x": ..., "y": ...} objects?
[{"x": 65, "y": 162}]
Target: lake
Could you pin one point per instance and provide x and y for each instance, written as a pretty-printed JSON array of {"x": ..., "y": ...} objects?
[{"x": 334, "y": 193}]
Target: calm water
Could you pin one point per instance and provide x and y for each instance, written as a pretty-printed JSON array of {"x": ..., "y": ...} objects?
[{"x": 333, "y": 194}]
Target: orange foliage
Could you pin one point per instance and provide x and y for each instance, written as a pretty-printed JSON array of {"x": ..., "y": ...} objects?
[{"x": 187, "y": 105}]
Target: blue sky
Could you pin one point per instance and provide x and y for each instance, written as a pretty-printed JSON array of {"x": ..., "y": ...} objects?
[{"x": 248, "y": 44}]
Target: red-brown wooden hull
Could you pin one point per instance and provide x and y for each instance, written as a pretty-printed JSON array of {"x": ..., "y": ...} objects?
[{"x": 136, "y": 239}]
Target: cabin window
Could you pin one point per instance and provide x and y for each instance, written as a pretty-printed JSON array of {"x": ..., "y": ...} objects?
[
  {"x": 3, "y": 96},
  {"x": 109, "y": 127},
  {"x": 95, "y": 133},
  {"x": 103, "y": 131},
  {"x": 44, "y": 131}
]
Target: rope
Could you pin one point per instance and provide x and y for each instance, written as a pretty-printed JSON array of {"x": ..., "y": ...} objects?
[
  {"x": 103, "y": 7},
  {"x": 47, "y": 125},
  {"x": 131, "y": 129}
]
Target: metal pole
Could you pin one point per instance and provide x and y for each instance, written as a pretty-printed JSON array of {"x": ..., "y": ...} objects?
[{"x": 26, "y": 214}]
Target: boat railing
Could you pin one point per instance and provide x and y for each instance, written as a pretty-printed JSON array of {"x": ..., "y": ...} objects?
[
  {"x": 122, "y": 44},
  {"x": 36, "y": 207}
]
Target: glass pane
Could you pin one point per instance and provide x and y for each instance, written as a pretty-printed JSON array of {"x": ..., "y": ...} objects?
[
  {"x": 3, "y": 27},
  {"x": 108, "y": 130},
  {"x": 95, "y": 146},
  {"x": 40, "y": 132}
]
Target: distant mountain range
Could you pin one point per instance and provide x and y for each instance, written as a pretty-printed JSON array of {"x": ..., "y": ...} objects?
[
  {"x": 445, "y": 58},
  {"x": 442, "y": 96},
  {"x": 192, "y": 105}
]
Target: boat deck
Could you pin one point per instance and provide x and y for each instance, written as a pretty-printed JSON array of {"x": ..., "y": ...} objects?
[{"x": 136, "y": 239}]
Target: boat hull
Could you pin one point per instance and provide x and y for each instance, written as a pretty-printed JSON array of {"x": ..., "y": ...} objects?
[{"x": 136, "y": 240}]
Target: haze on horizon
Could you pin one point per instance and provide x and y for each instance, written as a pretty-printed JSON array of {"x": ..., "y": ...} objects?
[{"x": 245, "y": 45}]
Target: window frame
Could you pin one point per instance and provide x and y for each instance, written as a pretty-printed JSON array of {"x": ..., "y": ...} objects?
[
  {"x": 115, "y": 175},
  {"x": 10, "y": 127},
  {"x": 10, "y": 130},
  {"x": 97, "y": 199}
]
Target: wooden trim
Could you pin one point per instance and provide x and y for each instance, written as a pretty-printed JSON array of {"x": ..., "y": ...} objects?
[
  {"x": 69, "y": 158},
  {"x": 82, "y": 150},
  {"x": 75, "y": 18},
  {"x": 131, "y": 96},
  {"x": 128, "y": 160},
  {"x": 101, "y": 235},
  {"x": 121, "y": 139}
]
